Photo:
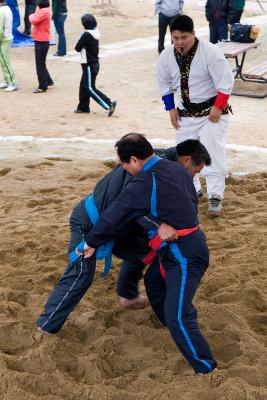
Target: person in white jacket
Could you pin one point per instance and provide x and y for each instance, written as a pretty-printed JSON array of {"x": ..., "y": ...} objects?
[
  {"x": 166, "y": 10},
  {"x": 6, "y": 19},
  {"x": 202, "y": 78}
]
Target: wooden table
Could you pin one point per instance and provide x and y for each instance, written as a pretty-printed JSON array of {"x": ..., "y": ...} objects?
[{"x": 238, "y": 51}]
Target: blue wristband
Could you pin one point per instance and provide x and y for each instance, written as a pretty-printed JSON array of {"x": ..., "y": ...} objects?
[{"x": 169, "y": 101}]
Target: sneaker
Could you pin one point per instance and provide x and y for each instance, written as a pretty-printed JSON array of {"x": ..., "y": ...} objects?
[
  {"x": 112, "y": 108},
  {"x": 11, "y": 88},
  {"x": 77, "y": 111},
  {"x": 58, "y": 55},
  {"x": 3, "y": 85},
  {"x": 215, "y": 205},
  {"x": 125, "y": 303},
  {"x": 39, "y": 90}
]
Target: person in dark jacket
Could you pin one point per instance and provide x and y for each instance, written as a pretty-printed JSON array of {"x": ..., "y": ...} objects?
[
  {"x": 88, "y": 47},
  {"x": 236, "y": 8},
  {"x": 131, "y": 245},
  {"x": 219, "y": 14},
  {"x": 165, "y": 190},
  {"x": 30, "y": 6},
  {"x": 59, "y": 16}
]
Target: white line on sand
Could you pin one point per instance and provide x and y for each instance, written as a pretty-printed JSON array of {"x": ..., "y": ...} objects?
[{"x": 156, "y": 142}]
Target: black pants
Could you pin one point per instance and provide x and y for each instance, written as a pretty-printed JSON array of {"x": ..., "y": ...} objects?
[
  {"x": 29, "y": 9},
  {"x": 164, "y": 22},
  {"x": 41, "y": 50},
  {"x": 88, "y": 89}
]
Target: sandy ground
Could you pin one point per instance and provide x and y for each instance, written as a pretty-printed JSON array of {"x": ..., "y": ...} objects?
[{"x": 103, "y": 352}]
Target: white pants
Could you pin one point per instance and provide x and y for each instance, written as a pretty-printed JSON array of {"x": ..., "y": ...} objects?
[{"x": 213, "y": 136}]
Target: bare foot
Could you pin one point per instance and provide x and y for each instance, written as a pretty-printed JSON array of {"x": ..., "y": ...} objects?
[
  {"x": 125, "y": 303},
  {"x": 43, "y": 331}
]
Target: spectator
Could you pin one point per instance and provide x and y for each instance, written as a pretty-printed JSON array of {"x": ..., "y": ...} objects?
[
  {"x": 59, "y": 15},
  {"x": 40, "y": 21},
  {"x": 6, "y": 21},
  {"x": 88, "y": 47},
  {"x": 167, "y": 10},
  {"x": 217, "y": 16},
  {"x": 30, "y": 6}
]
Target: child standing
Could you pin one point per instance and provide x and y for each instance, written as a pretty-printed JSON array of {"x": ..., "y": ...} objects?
[
  {"x": 40, "y": 21},
  {"x": 6, "y": 20},
  {"x": 88, "y": 47}
]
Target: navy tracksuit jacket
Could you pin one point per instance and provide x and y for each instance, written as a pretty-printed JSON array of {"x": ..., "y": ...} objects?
[{"x": 166, "y": 190}]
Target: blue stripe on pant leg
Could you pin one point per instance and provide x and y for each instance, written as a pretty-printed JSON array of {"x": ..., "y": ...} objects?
[
  {"x": 183, "y": 263},
  {"x": 98, "y": 99}
]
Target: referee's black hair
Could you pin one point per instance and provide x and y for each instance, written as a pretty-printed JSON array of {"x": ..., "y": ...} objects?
[
  {"x": 199, "y": 154},
  {"x": 182, "y": 23},
  {"x": 133, "y": 144}
]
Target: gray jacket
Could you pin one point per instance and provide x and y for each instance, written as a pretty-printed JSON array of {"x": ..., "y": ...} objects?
[{"x": 169, "y": 8}]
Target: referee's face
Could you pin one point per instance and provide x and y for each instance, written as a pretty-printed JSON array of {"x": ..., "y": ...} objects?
[{"x": 183, "y": 41}]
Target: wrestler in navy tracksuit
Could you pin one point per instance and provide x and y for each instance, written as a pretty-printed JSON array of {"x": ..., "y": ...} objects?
[
  {"x": 165, "y": 189},
  {"x": 131, "y": 247},
  {"x": 78, "y": 276}
]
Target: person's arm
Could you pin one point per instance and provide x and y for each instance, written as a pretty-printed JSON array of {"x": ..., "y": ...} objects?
[
  {"x": 222, "y": 76},
  {"x": 166, "y": 232},
  {"x": 207, "y": 10},
  {"x": 55, "y": 8},
  {"x": 232, "y": 15},
  {"x": 37, "y": 17},
  {"x": 133, "y": 202},
  {"x": 82, "y": 42},
  {"x": 181, "y": 6},
  {"x": 164, "y": 81},
  {"x": 157, "y": 6}
]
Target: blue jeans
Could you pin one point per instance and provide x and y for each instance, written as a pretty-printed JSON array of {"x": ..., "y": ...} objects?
[
  {"x": 218, "y": 31},
  {"x": 59, "y": 22}
]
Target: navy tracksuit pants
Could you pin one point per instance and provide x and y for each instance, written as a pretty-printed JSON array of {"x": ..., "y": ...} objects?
[
  {"x": 79, "y": 275},
  {"x": 74, "y": 282},
  {"x": 130, "y": 274},
  {"x": 171, "y": 298}
]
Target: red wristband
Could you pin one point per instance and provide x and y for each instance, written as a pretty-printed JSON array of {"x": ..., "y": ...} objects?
[{"x": 221, "y": 100}]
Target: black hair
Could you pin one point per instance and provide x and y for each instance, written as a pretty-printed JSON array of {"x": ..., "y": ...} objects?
[
  {"x": 133, "y": 144},
  {"x": 89, "y": 21},
  {"x": 182, "y": 23},
  {"x": 196, "y": 150},
  {"x": 43, "y": 3}
]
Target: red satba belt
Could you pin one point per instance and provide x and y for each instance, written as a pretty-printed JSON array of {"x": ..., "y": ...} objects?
[{"x": 156, "y": 242}]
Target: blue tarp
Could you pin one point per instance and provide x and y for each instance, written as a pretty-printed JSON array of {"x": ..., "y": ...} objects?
[{"x": 19, "y": 38}]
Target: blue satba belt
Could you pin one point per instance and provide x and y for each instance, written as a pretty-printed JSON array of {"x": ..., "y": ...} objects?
[{"x": 104, "y": 251}]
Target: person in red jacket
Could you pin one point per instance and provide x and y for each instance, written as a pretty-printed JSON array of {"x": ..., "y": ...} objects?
[{"x": 40, "y": 21}]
